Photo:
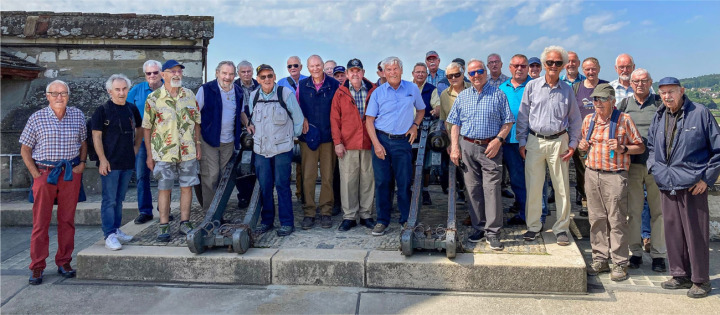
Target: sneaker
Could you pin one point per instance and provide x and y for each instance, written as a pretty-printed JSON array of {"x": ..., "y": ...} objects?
[
  {"x": 658, "y": 265},
  {"x": 598, "y": 266},
  {"x": 122, "y": 237},
  {"x": 185, "y": 227},
  {"x": 677, "y": 283},
  {"x": 368, "y": 223},
  {"x": 163, "y": 233},
  {"x": 563, "y": 239},
  {"x": 477, "y": 236},
  {"x": 66, "y": 271},
  {"x": 285, "y": 230},
  {"x": 618, "y": 273},
  {"x": 326, "y": 221},
  {"x": 307, "y": 223},
  {"x": 426, "y": 198},
  {"x": 646, "y": 244},
  {"x": 494, "y": 242},
  {"x": 530, "y": 235},
  {"x": 379, "y": 229},
  {"x": 36, "y": 277},
  {"x": 346, "y": 225},
  {"x": 507, "y": 194},
  {"x": 699, "y": 290},
  {"x": 516, "y": 220},
  {"x": 635, "y": 262},
  {"x": 142, "y": 218},
  {"x": 112, "y": 243},
  {"x": 263, "y": 228}
]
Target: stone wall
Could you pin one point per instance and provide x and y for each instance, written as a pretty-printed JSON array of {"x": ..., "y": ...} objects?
[{"x": 84, "y": 50}]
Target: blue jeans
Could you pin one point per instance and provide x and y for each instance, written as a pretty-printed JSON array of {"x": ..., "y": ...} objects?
[
  {"x": 142, "y": 173},
  {"x": 275, "y": 172},
  {"x": 516, "y": 169},
  {"x": 398, "y": 165},
  {"x": 646, "y": 229},
  {"x": 114, "y": 187}
]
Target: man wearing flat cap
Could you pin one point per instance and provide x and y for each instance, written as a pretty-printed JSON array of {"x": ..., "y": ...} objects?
[{"x": 684, "y": 158}]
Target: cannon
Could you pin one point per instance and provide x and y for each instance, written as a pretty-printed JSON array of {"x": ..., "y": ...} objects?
[{"x": 416, "y": 236}]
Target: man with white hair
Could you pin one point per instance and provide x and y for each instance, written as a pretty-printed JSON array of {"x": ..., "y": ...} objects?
[
  {"x": 329, "y": 67},
  {"x": 624, "y": 65},
  {"x": 116, "y": 136},
  {"x": 53, "y": 148},
  {"x": 137, "y": 95},
  {"x": 245, "y": 81},
  {"x": 548, "y": 129}
]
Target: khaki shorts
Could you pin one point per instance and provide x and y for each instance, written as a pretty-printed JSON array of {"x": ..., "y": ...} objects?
[{"x": 186, "y": 172}]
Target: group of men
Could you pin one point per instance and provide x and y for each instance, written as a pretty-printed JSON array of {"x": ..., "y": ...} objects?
[{"x": 626, "y": 142}]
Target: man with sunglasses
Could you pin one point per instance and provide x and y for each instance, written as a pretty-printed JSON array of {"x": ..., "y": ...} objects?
[
  {"x": 137, "y": 95},
  {"x": 482, "y": 117},
  {"x": 53, "y": 148},
  {"x": 572, "y": 75},
  {"x": 294, "y": 66},
  {"x": 548, "y": 127},
  {"x": 535, "y": 67}
]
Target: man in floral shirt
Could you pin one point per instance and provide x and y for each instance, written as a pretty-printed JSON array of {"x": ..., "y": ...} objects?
[{"x": 172, "y": 123}]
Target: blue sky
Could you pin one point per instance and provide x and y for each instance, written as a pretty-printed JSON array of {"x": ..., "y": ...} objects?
[{"x": 669, "y": 38}]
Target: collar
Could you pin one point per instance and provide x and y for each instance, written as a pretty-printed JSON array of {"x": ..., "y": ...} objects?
[
  {"x": 165, "y": 93},
  {"x": 267, "y": 96},
  {"x": 510, "y": 84},
  {"x": 232, "y": 88}
]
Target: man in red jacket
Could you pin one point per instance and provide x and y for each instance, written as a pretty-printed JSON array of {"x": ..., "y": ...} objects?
[{"x": 352, "y": 146}]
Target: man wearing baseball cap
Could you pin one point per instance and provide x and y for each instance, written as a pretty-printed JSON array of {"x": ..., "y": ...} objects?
[
  {"x": 435, "y": 74},
  {"x": 684, "y": 158},
  {"x": 535, "y": 67},
  {"x": 339, "y": 74}
]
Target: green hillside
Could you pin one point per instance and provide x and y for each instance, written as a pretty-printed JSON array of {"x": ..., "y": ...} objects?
[{"x": 704, "y": 89}]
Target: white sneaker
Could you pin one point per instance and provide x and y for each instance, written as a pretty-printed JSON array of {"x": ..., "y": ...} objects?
[
  {"x": 112, "y": 243},
  {"x": 122, "y": 237}
]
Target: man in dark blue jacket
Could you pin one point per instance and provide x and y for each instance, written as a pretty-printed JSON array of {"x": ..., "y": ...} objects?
[
  {"x": 220, "y": 103},
  {"x": 684, "y": 148},
  {"x": 315, "y": 96}
]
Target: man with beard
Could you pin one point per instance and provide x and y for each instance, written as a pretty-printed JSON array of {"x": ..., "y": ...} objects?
[
  {"x": 572, "y": 75},
  {"x": 220, "y": 102},
  {"x": 624, "y": 65},
  {"x": 172, "y": 131},
  {"x": 435, "y": 74}
]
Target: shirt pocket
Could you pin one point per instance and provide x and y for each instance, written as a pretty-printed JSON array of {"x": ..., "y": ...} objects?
[{"x": 280, "y": 116}]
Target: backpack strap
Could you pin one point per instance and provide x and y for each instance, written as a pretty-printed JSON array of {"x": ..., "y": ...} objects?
[
  {"x": 614, "y": 117},
  {"x": 292, "y": 83},
  {"x": 279, "y": 99},
  {"x": 590, "y": 128}
]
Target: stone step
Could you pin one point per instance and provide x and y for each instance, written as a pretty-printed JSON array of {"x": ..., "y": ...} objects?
[{"x": 86, "y": 213}]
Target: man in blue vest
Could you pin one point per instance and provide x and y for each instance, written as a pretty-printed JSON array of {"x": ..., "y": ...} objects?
[
  {"x": 431, "y": 99},
  {"x": 220, "y": 103}
]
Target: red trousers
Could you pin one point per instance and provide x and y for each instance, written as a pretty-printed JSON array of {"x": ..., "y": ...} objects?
[{"x": 67, "y": 198}]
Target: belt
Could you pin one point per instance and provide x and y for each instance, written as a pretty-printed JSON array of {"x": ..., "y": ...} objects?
[
  {"x": 479, "y": 141},
  {"x": 606, "y": 172},
  {"x": 550, "y": 137},
  {"x": 391, "y": 136}
]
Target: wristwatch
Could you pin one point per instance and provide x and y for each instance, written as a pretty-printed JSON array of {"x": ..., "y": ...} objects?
[
  {"x": 414, "y": 123},
  {"x": 502, "y": 140},
  {"x": 625, "y": 149}
]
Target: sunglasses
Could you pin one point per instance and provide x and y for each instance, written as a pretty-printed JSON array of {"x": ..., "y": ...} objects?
[
  {"x": 519, "y": 66},
  {"x": 557, "y": 63},
  {"x": 454, "y": 75},
  {"x": 602, "y": 99},
  {"x": 294, "y": 65},
  {"x": 535, "y": 65},
  {"x": 152, "y": 73},
  {"x": 268, "y": 76},
  {"x": 473, "y": 73}
]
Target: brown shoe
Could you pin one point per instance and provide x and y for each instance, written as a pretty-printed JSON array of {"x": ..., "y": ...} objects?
[
  {"x": 677, "y": 283},
  {"x": 700, "y": 290},
  {"x": 467, "y": 221},
  {"x": 618, "y": 273},
  {"x": 598, "y": 266},
  {"x": 646, "y": 245}
]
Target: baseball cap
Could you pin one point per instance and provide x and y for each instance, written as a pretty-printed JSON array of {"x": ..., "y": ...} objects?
[
  {"x": 534, "y": 60},
  {"x": 431, "y": 53},
  {"x": 460, "y": 61},
  {"x": 339, "y": 69},
  {"x": 603, "y": 90},
  {"x": 263, "y": 67},
  {"x": 355, "y": 63},
  {"x": 669, "y": 81},
  {"x": 170, "y": 64}
]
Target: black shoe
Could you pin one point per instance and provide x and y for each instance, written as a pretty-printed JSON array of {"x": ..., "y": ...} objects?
[
  {"x": 658, "y": 265},
  {"x": 66, "y": 271},
  {"x": 516, "y": 220},
  {"x": 494, "y": 242},
  {"x": 445, "y": 190},
  {"x": 530, "y": 236},
  {"x": 507, "y": 193},
  {"x": 635, "y": 262},
  {"x": 583, "y": 212},
  {"x": 368, "y": 223},
  {"x": 36, "y": 277},
  {"x": 307, "y": 223},
  {"x": 426, "y": 198},
  {"x": 326, "y": 221},
  {"x": 460, "y": 199},
  {"x": 243, "y": 203},
  {"x": 677, "y": 283},
  {"x": 264, "y": 228},
  {"x": 346, "y": 225},
  {"x": 477, "y": 236},
  {"x": 337, "y": 209},
  {"x": 142, "y": 218},
  {"x": 285, "y": 230}
]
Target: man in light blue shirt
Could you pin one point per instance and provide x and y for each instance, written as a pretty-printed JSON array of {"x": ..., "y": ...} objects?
[
  {"x": 392, "y": 130},
  {"x": 435, "y": 74},
  {"x": 572, "y": 74},
  {"x": 294, "y": 66},
  {"x": 137, "y": 95}
]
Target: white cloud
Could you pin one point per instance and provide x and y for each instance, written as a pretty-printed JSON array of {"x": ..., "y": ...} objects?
[
  {"x": 574, "y": 42},
  {"x": 602, "y": 24},
  {"x": 549, "y": 15}
]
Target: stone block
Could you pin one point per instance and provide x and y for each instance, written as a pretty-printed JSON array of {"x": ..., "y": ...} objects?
[
  {"x": 180, "y": 56},
  {"x": 175, "y": 264},
  {"x": 192, "y": 69},
  {"x": 63, "y": 55},
  {"x": 85, "y": 54},
  {"x": 128, "y": 55},
  {"x": 336, "y": 267},
  {"x": 47, "y": 56}
]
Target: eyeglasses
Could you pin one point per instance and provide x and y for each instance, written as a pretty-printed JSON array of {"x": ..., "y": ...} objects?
[
  {"x": 419, "y": 72},
  {"x": 152, "y": 73},
  {"x": 602, "y": 99},
  {"x": 557, "y": 63},
  {"x": 638, "y": 82},
  {"x": 294, "y": 65},
  {"x": 519, "y": 66},
  {"x": 56, "y": 94},
  {"x": 178, "y": 71},
  {"x": 453, "y": 75},
  {"x": 493, "y": 62},
  {"x": 380, "y": 68},
  {"x": 473, "y": 73},
  {"x": 268, "y": 76},
  {"x": 535, "y": 65}
]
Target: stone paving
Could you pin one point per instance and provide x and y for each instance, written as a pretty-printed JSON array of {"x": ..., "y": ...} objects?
[{"x": 17, "y": 256}]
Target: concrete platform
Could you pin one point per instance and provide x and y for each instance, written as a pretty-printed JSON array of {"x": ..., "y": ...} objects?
[{"x": 87, "y": 213}]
